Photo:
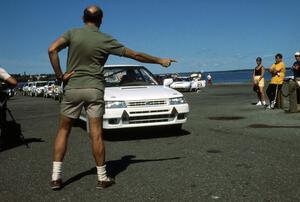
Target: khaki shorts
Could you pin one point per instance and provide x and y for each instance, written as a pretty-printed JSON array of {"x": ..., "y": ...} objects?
[
  {"x": 75, "y": 99},
  {"x": 260, "y": 83}
]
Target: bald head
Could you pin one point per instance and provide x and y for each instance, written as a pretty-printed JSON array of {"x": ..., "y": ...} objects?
[{"x": 93, "y": 14}]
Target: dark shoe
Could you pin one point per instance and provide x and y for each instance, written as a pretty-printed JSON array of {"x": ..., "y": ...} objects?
[
  {"x": 105, "y": 184},
  {"x": 56, "y": 184}
]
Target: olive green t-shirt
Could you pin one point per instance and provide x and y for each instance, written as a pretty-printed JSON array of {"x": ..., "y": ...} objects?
[{"x": 88, "y": 51}]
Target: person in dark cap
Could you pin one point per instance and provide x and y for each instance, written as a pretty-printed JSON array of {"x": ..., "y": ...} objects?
[
  {"x": 88, "y": 51},
  {"x": 259, "y": 81},
  {"x": 294, "y": 84}
]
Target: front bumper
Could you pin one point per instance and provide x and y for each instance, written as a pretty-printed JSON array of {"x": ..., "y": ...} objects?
[{"x": 144, "y": 116}]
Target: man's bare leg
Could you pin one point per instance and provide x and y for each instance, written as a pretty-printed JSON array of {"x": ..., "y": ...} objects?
[
  {"x": 98, "y": 148},
  {"x": 60, "y": 148},
  {"x": 96, "y": 133},
  {"x": 61, "y": 140}
]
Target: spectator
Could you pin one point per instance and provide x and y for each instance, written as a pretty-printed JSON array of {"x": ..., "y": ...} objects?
[
  {"x": 8, "y": 79},
  {"x": 11, "y": 82},
  {"x": 199, "y": 76},
  {"x": 295, "y": 83},
  {"x": 209, "y": 79},
  {"x": 259, "y": 82},
  {"x": 277, "y": 71}
]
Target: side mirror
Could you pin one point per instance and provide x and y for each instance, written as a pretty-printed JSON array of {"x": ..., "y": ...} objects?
[{"x": 168, "y": 82}]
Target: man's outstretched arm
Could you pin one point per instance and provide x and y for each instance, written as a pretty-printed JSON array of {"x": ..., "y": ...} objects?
[{"x": 145, "y": 58}]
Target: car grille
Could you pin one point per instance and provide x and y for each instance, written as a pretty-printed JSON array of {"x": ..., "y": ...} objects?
[
  {"x": 149, "y": 111},
  {"x": 146, "y": 103},
  {"x": 149, "y": 119}
]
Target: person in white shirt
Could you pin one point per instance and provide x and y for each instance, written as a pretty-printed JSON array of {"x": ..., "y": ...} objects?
[
  {"x": 8, "y": 79},
  {"x": 209, "y": 79}
]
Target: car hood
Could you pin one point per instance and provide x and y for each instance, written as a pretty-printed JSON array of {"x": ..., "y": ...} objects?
[
  {"x": 181, "y": 83},
  {"x": 139, "y": 93}
]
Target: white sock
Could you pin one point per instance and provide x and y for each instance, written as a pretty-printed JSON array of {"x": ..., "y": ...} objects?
[
  {"x": 101, "y": 172},
  {"x": 264, "y": 102},
  {"x": 56, "y": 171}
]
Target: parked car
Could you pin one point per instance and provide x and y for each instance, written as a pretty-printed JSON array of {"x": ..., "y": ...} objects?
[
  {"x": 197, "y": 84},
  {"x": 9, "y": 92},
  {"x": 57, "y": 91},
  {"x": 26, "y": 90},
  {"x": 48, "y": 89},
  {"x": 37, "y": 89},
  {"x": 181, "y": 84},
  {"x": 133, "y": 98}
]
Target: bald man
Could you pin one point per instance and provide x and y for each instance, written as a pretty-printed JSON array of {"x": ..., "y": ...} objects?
[{"x": 88, "y": 50}]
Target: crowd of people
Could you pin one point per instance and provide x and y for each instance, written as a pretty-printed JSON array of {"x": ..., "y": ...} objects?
[{"x": 277, "y": 71}]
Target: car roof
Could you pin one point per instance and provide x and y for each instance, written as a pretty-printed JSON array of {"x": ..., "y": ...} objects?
[{"x": 124, "y": 65}]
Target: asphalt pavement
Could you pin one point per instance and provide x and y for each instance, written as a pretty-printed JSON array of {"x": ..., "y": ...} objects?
[{"x": 229, "y": 150}]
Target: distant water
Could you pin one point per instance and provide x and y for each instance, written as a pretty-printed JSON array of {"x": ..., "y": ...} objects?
[{"x": 235, "y": 76}]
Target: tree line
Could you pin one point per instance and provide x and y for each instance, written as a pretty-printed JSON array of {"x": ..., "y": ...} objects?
[{"x": 40, "y": 77}]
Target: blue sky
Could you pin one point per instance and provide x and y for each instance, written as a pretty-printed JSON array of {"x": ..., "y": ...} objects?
[{"x": 208, "y": 35}]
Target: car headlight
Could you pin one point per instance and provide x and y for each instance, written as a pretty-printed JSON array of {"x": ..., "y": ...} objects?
[
  {"x": 115, "y": 104},
  {"x": 177, "y": 101}
]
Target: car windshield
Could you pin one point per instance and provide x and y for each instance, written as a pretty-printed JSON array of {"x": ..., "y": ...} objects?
[
  {"x": 41, "y": 84},
  {"x": 50, "y": 83},
  {"x": 128, "y": 76},
  {"x": 182, "y": 79}
]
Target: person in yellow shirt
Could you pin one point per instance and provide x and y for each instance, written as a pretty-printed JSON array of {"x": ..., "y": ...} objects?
[{"x": 277, "y": 71}]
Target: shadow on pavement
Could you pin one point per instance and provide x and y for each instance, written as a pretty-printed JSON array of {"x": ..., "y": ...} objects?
[
  {"x": 11, "y": 136},
  {"x": 271, "y": 126},
  {"x": 115, "y": 167},
  {"x": 143, "y": 133},
  {"x": 138, "y": 133}
]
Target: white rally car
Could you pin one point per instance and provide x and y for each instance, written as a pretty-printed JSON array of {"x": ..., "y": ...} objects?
[
  {"x": 133, "y": 98},
  {"x": 181, "y": 84}
]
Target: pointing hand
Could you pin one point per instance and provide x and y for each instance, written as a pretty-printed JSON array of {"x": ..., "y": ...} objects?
[{"x": 166, "y": 62}]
